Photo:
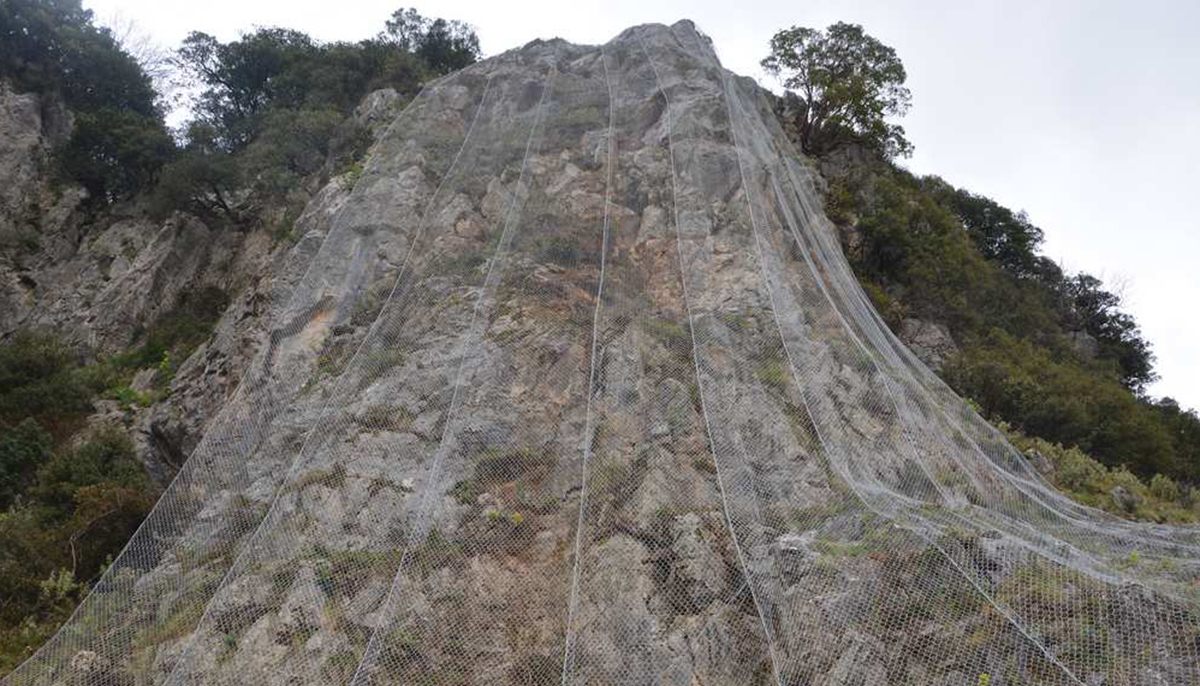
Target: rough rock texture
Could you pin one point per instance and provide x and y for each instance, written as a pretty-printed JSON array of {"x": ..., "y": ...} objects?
[
  {"x": 929, "y": 341},
  {"x": 34, "y": 215},
  {"x": 574, "y": 386},
  {"x": 1084, "y": 343},
  {"x": 98, "y": 278}
]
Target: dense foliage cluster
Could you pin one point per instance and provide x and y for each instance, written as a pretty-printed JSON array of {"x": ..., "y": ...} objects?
[
  {"x": 1052, "y": 353},
  {"x": 274, "y": 106},
  {"x": 842, "y": 85},
  {"x": 66, "y": 506},
  {"x": 1049, "y": 352},
  {"x": 71, "y": 496},
  {"x": 119, "y": 140}
]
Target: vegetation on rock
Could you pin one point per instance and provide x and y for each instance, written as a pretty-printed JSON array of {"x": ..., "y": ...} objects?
[
  {"x": 275, "y": 107},
  {"x": 71, "y": 496},
  {"x": 119, "y": 140},
  {"x": 1052, "y": 353},
  {"x": 274, "y": 121}
]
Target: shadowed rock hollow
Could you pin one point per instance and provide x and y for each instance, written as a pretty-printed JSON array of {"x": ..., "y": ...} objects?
[{"x": 576, "y": 387}]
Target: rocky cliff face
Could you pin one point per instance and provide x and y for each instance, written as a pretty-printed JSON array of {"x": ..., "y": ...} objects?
[
  {"x": 99, "y": 278},
  {"x": 574, "y": 386}
]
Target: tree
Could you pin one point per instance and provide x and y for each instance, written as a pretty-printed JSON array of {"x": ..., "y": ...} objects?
[
  {"x": 40, "y": 42},
  {"x": 39, "y": 379},
  {"x": 23, "y": 448},
  {"x": 842, "y": 84},
  {"x": 295, "y": 144},
  {"x": 243, "y": 78},
  {"x": 202, "y": 178},
  {"x": 115, "y": 153},
  {"x": 1001, "y": 235},
  {"x": 1063, "y": 402},
  {"x": 1089, "y": 307},
  {"x": 445, "y": 45},
  {"x": 119, "y": 140}
]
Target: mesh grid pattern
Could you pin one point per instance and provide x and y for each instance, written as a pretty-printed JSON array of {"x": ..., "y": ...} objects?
[{"x": 578, "y": 388}]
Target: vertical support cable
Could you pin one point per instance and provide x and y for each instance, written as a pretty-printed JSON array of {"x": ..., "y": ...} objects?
[{"x": 572, "y": 603}]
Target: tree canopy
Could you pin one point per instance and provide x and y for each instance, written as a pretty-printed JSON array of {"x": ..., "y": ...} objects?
[
  {"x": 119, "y": 141},
  {"x": 1007, "y": 238},
  {"x": 842, "y": 84},
  {"x": 276, "y": 68},
  {"x": 274, "y": 107},
  {"x": 1089, "y": 307},
  {"x": 445, "y": 45},
  {"x": 924, "y": 249}
]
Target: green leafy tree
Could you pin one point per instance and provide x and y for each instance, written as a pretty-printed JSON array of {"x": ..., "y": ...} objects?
[
  {"x": 297, "y": 143},
  {"x": 842, "y": 85},
  {"x": 115, "y": 153},
  {"x": 119, "y": 141},
  {"x": 927, "y": 250},
  {"x": 54, "y": 46},
  {"x": 274, "y": 108},
  {"x": 1089, "y": 307},
  {"x": 82, "y": 508},
  {"x": 35, "y": 44},
  {"x": 202, "y": 179},
  {"x": 39, "y": 379},
  {"x": 280, "y": 69},
  {"x": 1062, "y": 401},
  {"x": 242, "y": 78},
  {"x": 1005, "y": 237},
  {"x": 444, "y": 45}
]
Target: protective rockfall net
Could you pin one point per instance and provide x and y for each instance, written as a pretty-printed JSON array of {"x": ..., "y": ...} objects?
[{"x": 578, "y": 388}]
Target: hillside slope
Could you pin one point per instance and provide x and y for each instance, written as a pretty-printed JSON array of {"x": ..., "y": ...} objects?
[{"x": 579, "y": 388}]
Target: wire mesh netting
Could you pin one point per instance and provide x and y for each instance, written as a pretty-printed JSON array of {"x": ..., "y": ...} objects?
[{"x": 578, "y": 388}]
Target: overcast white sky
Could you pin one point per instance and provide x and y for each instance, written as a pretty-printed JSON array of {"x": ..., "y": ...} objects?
[{"x": 1084, "y": 114}]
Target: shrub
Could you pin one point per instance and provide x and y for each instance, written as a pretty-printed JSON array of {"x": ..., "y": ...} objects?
[
  {"x": 1091, "y": 483},
  {"x": 106, "y": 459},
  {"x": 199, "y": 182},
  {"x": 80, "y": 510},
  {"x": 23, "y": 449},
  {"x": 296, "y": 143},
  {"x": 39, "y": 379},
  {"x": 1059, "y": 399},
  {"x": 1164, "y": 488},
  {"x": 174, "y": 336}
]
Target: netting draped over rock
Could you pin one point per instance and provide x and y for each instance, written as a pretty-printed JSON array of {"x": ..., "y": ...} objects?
[{"x": 579, "y": 388}]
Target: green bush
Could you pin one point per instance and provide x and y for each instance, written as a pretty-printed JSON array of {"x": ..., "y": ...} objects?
[
  {"x": 107, "y": 458},
  {"x": 1059, "y": 399},
  {"x": 295, "y": 144},
  {"x": 922, "y": 248},
  {"x": 81, "y": 508},
  {"x": 115, "y": 153},
  {"x": 174, "y": 336},
  {"x": 1091, "y": 483},
  {"x": 201, "y": 179},
  {"x": 1164, "y": 488},
  {"x": 23, "y": 448},
  {"x": 64, "y": 512},
  {"x": 40, "y": 379}
]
